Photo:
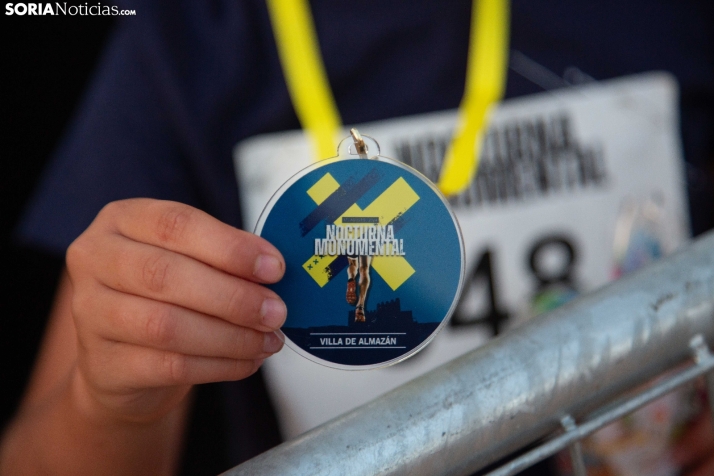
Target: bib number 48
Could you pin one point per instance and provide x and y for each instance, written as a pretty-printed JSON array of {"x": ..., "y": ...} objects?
[{"x": 557, "y": 273}]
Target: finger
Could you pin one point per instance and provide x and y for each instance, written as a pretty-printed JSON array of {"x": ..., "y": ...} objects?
[
  {"x": 141, "y": 321},
  {"x": 162, "y": 275},
  {"x": 131, "y": 367},
  {"x": 192, "y": 232}
]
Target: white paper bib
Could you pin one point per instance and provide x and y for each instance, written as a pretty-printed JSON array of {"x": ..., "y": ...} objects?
[{"x": 541, "y": 214}]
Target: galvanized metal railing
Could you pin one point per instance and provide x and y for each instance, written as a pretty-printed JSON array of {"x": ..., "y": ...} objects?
[{"x": 561, "y": 374}]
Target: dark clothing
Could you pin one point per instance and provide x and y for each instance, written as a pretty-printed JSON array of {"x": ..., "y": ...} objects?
[{"x": 182, "y": 82}]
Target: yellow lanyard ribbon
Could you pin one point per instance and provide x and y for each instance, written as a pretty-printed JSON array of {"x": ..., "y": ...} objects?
[{"x": 317, "y": 111}]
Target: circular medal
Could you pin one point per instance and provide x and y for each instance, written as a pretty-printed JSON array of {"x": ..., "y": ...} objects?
[{"x": 374, "y": 258}]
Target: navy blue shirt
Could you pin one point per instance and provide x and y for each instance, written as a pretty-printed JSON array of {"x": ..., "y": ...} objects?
[{"x": 182, "y": 82}]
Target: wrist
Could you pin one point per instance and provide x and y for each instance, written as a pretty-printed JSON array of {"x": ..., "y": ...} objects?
[{"x": 144, "y": 407}]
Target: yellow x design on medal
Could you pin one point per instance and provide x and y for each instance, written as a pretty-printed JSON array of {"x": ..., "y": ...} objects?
[{"x": 388, "y": 206}]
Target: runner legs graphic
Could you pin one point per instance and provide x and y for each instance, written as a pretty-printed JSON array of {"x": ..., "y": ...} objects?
[
  {"x": 364, "y": 263},
  {"x": 351, "y": 284}
]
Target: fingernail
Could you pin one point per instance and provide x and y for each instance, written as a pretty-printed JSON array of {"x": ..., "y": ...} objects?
[
  {"x": 273, "y": 312},
  {"x": 268, "y": 268},
  {"x": 272, "y": 343}
]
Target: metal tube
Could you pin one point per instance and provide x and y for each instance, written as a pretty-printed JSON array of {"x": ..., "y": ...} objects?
[
  {"x": 483, "y": 406},
  {"x": 578, "y": 432},
  {"x": 575, "y": 449},
  {"x": 701, "y": 354}
]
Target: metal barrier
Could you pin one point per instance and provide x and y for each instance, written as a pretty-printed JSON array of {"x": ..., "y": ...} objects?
[{"x": 558, "y": 376}]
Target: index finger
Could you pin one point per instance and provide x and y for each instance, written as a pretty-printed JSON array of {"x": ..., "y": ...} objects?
[{"x": 194, "y": 233}]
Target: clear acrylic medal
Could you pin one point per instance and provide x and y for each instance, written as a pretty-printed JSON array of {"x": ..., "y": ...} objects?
[{"x": 374, "y": 258}]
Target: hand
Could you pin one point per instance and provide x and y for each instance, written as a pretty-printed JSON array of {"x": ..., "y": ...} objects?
[
  {"x": 164, "y": 297},
  {"x": 695, "y": 451}
]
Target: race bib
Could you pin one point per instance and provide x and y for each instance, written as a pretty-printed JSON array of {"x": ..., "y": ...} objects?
[{"x": 538, "y": 220}]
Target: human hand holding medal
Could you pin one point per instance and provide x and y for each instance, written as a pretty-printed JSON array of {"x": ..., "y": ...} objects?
[{"x": 374, "y": 258}]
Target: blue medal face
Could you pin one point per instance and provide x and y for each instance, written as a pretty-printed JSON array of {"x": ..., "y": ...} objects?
[{"x": 374, "y": 261}]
